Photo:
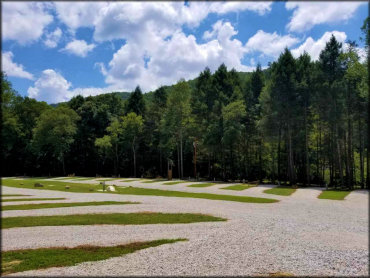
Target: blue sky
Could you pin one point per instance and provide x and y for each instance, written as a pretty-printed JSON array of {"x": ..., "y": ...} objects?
[{"x": 54, "y": 51}]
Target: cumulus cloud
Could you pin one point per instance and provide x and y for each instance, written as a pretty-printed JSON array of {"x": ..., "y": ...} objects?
[
  {"x": 308, "y": 14},
  {"x": 78, "y": 47},
  {"x": 270, "y": 44},
  {"x": 13, "y": 69},
  {"x": 314, "y": 48},
  {"x": 52, "y": 87},
  {"x": 52, "y": 39},
  {"x": 165, "y": 61},
  {"x": 24, "y": 22}
]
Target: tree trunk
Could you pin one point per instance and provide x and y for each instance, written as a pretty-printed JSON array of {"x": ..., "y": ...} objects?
[
  {"x": 178, "y": 160},
  {"x": 307, "y": 162},
  {"x": 279, "y": 153},
  {"x": 361, "y": 146},
  {"x": 182, "y": 161},
  {"x": 134, "y": 153},
  {"x": 291, "y": 172}
]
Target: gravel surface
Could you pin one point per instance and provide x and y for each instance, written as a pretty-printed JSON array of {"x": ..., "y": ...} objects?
[{"x": 301, "y": 234}]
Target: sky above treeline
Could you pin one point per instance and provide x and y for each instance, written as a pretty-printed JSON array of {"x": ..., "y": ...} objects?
[{"x": 54, "y": 51}]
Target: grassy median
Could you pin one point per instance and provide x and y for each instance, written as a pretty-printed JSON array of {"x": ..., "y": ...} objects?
[
  {"x": 32, "y": 259},
  {"x": 139, "y": 218},
  {"x": 282, "y": 191},
  {"x": 62, "y": 205},
  {"x": 89, "y": 188},
  {"x": 334, "y": 194}
]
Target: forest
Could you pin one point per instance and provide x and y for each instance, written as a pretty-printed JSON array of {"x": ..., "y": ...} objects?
[{"x": 296, "y": 122}]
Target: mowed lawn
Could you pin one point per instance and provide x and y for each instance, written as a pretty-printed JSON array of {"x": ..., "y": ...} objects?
[
  {"x": 62, "y": 205},
  {"x": 31, "y": 259},
  {"x": 139, "y": 218},
  {"x": 334, "y": 194},
  {"x": 280, "y": 190},
  {"x": 237, "y": 187},
  {"x": 90, "y": 188}
]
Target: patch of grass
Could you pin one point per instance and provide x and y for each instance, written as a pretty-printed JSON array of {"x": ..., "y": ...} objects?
[
  {"x": 127, "y": 180},
  {"x": 334, "y": 194},
  {"x": 174, "y": 182},
  {"x": 85, "y": 188},
  {"x": 237, "y": 187},
  {"x": 202, "y": 184},
  {"x": 139, "y": 218},
  {"x": 152, "y": 181},
  {"x": 108, "y": 179},
  {"x": 30, "y": 199},
  {"x": 280, "y": 190},
  {"x": 13, "y": 195},
  {"x": 31, "y": 259},
  {"x": 62, "y": 205}
]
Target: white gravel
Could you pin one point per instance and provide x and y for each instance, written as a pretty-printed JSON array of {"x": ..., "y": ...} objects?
[{"x": 301, "y": 234}]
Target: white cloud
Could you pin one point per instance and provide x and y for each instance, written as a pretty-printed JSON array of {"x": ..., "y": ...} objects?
[
  {"x": 24, "y": 22},
  {"x": 308, "y": 14},
  {"x": 125, "y": 19},
  {"x": 52, "y": 39},
  {"x": 52, "y": 87},
  {"x": 314, "y": 48},
  {"x": 78, "y": 47},
  {"x": 78, "y": 14},
  {"x": 13, "y": 69},
  {"x": 179, "y": 56},
  {"x": 270, "y": 44}
]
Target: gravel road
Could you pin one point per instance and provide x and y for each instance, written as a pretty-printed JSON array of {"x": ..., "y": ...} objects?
[{"x": 300, "y": 235}]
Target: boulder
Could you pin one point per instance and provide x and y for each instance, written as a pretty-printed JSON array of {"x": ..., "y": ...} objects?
[
  {"x": 111, "y": 188},
  {"x": 38, "y": 185}
]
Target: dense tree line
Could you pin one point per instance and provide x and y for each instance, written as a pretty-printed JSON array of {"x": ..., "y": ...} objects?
[{"x": 298, "y": 121}]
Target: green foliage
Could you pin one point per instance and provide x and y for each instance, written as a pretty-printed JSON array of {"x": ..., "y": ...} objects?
[
  {"x": 31, "y": 259},
  {"x": 297, "y": 121}
]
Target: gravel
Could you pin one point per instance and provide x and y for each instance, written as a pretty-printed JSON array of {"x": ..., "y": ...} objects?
[{"x": 301, "y": 235}]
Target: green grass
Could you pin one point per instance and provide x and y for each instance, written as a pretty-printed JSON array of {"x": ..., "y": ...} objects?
[
  {"x": 174, "y": 182},
  {"x": 31, "y": 259},
  {"x": 30, "y": 199},
  {"x": 282, "y": 191},
  {"x": 127, "y": 180},
  {"x": 237, "y": 187},
  {"x": 152, "y": 181},
  {"x": 139, "y": 218},
  {"x": 333, "y": 194},
  {"x": 13, "y": 195},
  {"x": 202, "y": 184},
  {"x": 85, "y": 188},
  {"x": 108, "y": 179},
  {"x": 62, "y": 205}
]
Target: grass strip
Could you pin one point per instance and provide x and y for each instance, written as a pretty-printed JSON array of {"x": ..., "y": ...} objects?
[
  {"x": 237, "y": 187},
  {"x": 62, "y": 205},
  {"x": 88, "y": 188},
  {"x": 280, "y": 190},
  {"x": 139, "y": 218},
  {"x": 128, "y": 180},
  {"x": 13, "y": 195},
  {"x": 174, "y": 182},
  {"x": 30, "y": 199},
  {"x": 202, "y": 184},
  {"x": 32, "y": 259},
  {"x": 152, "y": 181},
  {"x": 334, "y": 194}
]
